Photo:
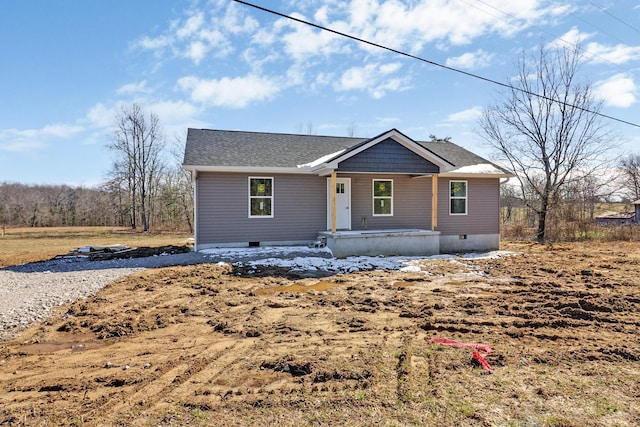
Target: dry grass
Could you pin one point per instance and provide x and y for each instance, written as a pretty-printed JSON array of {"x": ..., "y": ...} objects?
[{"x": 22, "y": 245}]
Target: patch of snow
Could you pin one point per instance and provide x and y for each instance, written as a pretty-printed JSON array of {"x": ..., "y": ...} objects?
[
  {"x": 302, "y": 258},
  {"x": 321, "y": 160},
  {"x": 481, "y": 168}
]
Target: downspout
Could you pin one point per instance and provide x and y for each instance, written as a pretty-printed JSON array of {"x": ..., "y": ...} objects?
[
  {"x": 194, "y": 180},
  {"x": 434, "y": 202},
  {"x": 333, "y": 202}
]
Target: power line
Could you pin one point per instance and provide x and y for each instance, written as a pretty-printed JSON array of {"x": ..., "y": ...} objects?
[
  {"x": 615, "y": 17},
  {"x": 446, "y": 67},
  {"x": 553, "y": 36}
]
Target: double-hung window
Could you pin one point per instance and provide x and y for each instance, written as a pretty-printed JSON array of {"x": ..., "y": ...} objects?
[
  {"x": 382, "y": 197},
  {"x": 260, "y": 197},
  {"x": 458, "y": 197}
]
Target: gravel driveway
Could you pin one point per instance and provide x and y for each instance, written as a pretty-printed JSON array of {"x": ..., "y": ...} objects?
[{"x": 29, "y": 292}]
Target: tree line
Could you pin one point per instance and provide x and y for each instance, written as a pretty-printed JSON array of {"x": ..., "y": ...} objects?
[
  {"x": 23, "y": 205},
  {"x": 547, "y": 127},
  {"x": 146, "y": 186}
]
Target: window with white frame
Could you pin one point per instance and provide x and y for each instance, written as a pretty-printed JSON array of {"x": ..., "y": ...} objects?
[
  {"x": 382, "y": 197},
  {"x": 458, "y": 197},
  {"x": 260, "y": 197}
]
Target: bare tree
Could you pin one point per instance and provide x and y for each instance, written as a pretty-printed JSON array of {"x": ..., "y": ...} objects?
[
  {"x": 630, "y": 171},
  {"x": 546, "y": 127},
  {"x": 137, "y": 141}
]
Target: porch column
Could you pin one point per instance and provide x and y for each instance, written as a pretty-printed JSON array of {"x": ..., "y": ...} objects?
[
  {"x": 434, "y": 201},
  {"x": 333, "y": 201}
]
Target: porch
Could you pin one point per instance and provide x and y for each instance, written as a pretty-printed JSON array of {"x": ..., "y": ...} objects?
[{"x": 409, "y": 242}]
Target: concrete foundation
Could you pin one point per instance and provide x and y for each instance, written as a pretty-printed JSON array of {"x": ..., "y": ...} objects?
[
  {"x": 410, "y": 242},
  {"x": 469, "y": 242}
]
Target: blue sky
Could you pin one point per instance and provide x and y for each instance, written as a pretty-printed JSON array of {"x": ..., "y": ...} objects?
[{"x": 69, "y": 66}]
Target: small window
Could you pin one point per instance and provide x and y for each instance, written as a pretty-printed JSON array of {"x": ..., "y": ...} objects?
[
  {"x": 458, "y": 197},
  {"x": 382, "y": 197},
  {"x": 260, "y": 197}
]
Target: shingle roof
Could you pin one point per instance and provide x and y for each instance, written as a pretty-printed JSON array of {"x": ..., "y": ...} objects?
[
  {"x": 225, "y": 148},
  {"x": 255, "y": 149}
]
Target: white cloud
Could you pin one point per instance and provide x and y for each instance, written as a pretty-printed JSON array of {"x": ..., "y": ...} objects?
[
  {"x": 196, "y": 51},
  {"x": 191, "y": 26},
  {"x": 221, "y": 28},
  {"x": 465, "y": 116},
  {"x": 101, "y": 116},
  {"x": 596, "y": 52},
  {"x": 154, "y": 43},
  {"x": 303, "y": 41},
  {"x": 139, "y": 87},
  {"x": 374, "y": 78},
  {"x": 200, "y": 33},
  {"x": 618, "y": 54},
  {"x": 617, "y": 91},
  {"x": 471, "y": 60},
  {"x": 172, "y": 113},
  {"x": 237, "y": 92},
  {"x": 23, "y": 140}
]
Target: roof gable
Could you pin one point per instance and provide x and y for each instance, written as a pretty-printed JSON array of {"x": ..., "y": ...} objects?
[
  {"x": 388, "y": 156},
  {"x": 367, "y": 152}
]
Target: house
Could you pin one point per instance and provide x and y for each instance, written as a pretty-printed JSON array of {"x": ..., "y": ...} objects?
[
  {"x": 616, "y": 218},
  {"x": 386, "y": 195},
  {"x": 620, "y": 218}
]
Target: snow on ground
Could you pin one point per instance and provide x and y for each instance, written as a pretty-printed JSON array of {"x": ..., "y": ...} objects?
[{"x": 302, "y": 258}]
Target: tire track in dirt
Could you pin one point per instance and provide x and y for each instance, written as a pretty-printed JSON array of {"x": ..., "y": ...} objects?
[{"x": 169, "y": 386}]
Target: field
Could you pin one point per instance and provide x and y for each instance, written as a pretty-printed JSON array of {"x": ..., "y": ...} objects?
[
  {"x": 21, "y": 245},
  {"x": 226, "y": 346}
]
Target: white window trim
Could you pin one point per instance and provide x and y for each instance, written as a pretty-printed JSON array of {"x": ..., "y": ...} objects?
[
  {"x": 465, "y": 198},
  {"x": 373, "y": 196},
  {"x": 261, "y": 197}
]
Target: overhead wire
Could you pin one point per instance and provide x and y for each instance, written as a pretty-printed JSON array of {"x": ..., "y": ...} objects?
[
  {"x": 555, "y": 37},
  {"x": 437, "y": 64},
  {"x": 615, "y": 17}
]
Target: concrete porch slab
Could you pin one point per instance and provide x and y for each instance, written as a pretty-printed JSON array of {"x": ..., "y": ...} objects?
[{"x": 409, "y": 242}]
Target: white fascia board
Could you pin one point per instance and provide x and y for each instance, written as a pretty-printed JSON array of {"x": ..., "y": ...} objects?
[{"x": 247, "y": 169}]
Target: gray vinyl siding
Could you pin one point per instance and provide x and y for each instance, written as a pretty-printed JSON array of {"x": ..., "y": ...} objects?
[
  {"x": 299, "y": 208},
  {"x": 483, "y": 204},
  {"x": 411, "y": 202},
  {"x": 388, "y": 157}
]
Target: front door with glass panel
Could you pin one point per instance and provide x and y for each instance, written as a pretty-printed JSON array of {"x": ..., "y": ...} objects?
[{"x": 343, "y": 204}]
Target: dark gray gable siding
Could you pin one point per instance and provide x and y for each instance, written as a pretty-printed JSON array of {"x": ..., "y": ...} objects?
[{"x": 388, "y": 156}]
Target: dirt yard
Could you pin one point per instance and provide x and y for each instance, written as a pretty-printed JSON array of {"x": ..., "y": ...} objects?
[{"x": 213, "y": 345}]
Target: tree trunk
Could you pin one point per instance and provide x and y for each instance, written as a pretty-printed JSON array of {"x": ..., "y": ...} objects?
[{"x": 542, "y": 220}]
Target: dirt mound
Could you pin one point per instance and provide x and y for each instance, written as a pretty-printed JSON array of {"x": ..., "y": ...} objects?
[{"x": 106, "y": 253}]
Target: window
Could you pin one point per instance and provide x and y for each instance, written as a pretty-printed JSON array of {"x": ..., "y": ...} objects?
[
  {"x": 458, "y": 197},
  {"x": 260, "y": 197},
  {"x": 382, "y": 197}
]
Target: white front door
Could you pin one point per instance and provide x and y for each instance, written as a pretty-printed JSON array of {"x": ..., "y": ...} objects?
[{"x": 343, "y": 203}]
